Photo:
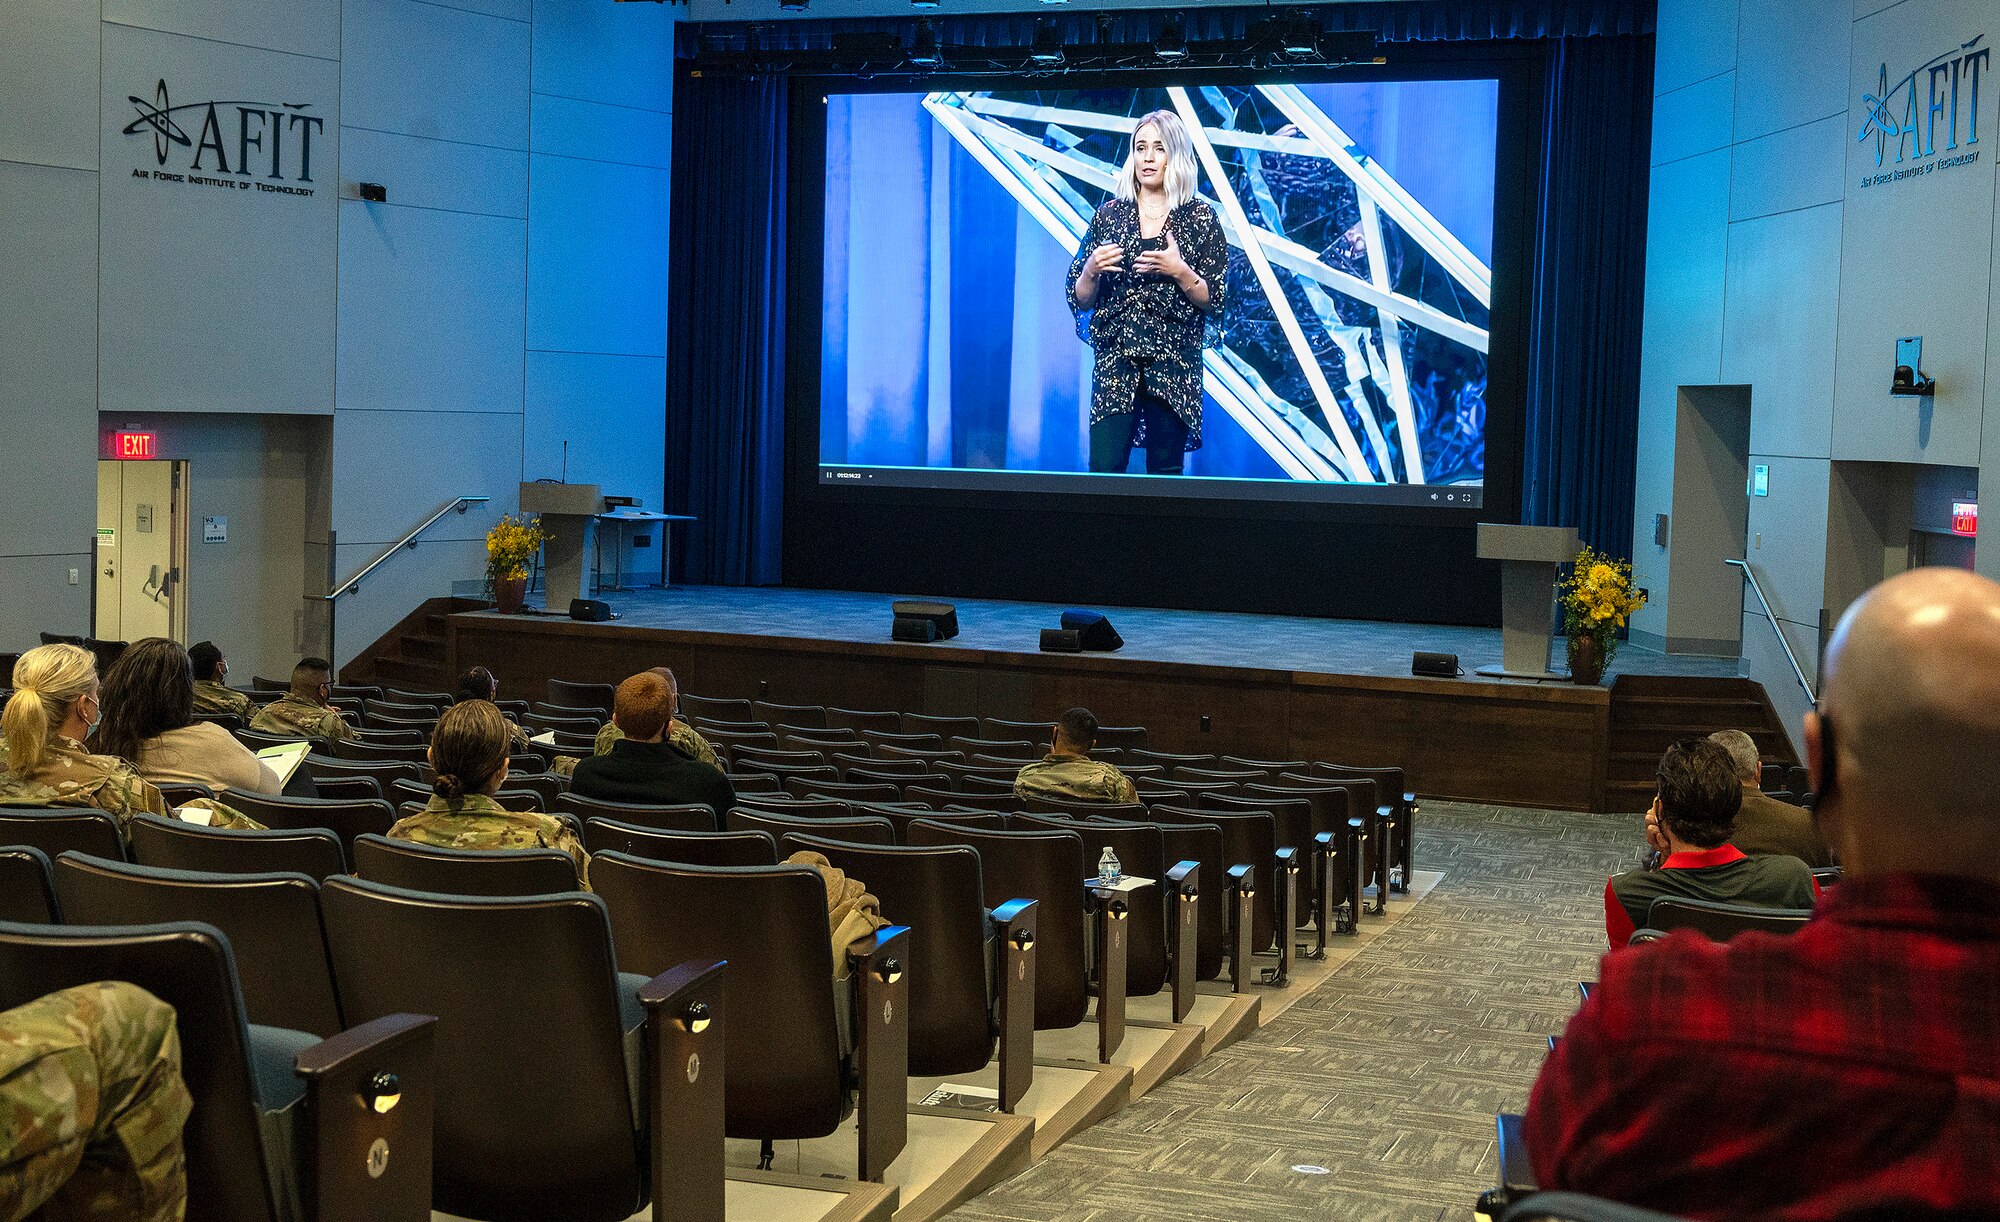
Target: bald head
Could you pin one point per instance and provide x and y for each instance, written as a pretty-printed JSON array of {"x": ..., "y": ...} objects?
[{"x": 1911, "y": 700}]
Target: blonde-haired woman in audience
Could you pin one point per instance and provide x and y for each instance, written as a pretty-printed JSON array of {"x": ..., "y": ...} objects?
[
  {"x": 46, "y": 722},
  {"x": 469, "y": 765}
]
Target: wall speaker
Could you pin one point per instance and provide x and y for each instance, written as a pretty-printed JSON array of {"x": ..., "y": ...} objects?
[
  {"x": 1095, "y": 631},
  {"x": 590, "y": 610},
  {"x": 942, "y": 616},
  {"x": 1435, "y": 665},
  {"x": 913, "y": 628},
  {"x": 1061, "y": 640}
]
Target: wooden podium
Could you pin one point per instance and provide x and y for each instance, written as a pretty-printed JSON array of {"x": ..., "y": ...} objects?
[
  {"x": 567, "y": 511},
  {"x": 1529, "y": 556}
]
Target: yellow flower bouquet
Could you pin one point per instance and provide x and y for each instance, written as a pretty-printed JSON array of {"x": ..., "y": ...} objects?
[
  {"x": 1598, "y": 598},
  {"x": 510, "y": 548}
]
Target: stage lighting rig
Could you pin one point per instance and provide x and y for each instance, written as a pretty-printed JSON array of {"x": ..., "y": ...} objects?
[
  {"x": 924, "y": 51},
  {"x": 1301, "y": 35},
  {"x": 1048, "y": 47},
  {"x": 1172, "y": 41}
]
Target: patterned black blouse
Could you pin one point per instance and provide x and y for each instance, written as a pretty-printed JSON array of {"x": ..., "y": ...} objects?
[{"x": 1145, "y": 330}]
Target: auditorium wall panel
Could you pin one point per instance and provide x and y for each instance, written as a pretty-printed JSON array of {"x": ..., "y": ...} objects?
[
  {"x": 48, "y": 70},
  {"x": 1694, "y": 119},
  {"x": 607, "y": 409},
  {"x": 597, "y": 262},
  {"x": 627, "y": 135},
  {"x": 619, "y": 54},
  {"x": 303, "y": 27},
  {"x": 1780, "y": 323},
  {"x": 1792, "y": 65},
  {"x": 1696, "y": 40},
  {"x": 427, "y": 70},
  {"x": 442, "y": 175},
  {"x": 1799, "y": 167}
]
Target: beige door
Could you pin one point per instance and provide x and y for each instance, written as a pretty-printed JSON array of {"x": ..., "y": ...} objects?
[{"x": 141, "y": 550}]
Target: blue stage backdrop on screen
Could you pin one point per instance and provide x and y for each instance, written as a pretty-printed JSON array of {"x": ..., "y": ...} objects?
[{"x": 1359, "y": 227}]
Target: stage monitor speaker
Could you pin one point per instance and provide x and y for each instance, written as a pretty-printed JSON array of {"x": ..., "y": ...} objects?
[
  {"x": 942, "y": 616},
  {"x": 590, "y": 610},
  {"x": 1435, "y": 665},
  {"x": 913, "y": 628},
  {"x": 1093, "y": 630},
  {"x": 1061, "y": 640}
]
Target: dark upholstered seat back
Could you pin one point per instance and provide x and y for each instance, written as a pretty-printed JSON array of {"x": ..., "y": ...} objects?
[
  {"x": 748, "y": 848},
  {"x": 1247, "y": 839},
  {"x": 170, "y": 844},
  {"x": 533, "y": 1114},
  {"x": 863, "y": 829},
  {"x": 1720, "y": 922},
  {"x": 56, "y": 831},
  {"x": 936, "y": 891},
  {"x": 1141, "y": 852},
  {"x": 596, "y": 696},
  {"x": 271, "y": 920},
  {"x": 189, "y": 967},
  {"x": 27, "y": 894},
  {"x": 421, "y": 867},
  {"x": 346, "y": 819},
  {"x": 1047, "y": 867},
  {"x": 681, "y": 817},
  {"x": 784, "y": 1072}
]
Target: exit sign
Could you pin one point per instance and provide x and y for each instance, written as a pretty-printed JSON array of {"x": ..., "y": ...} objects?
[
  {"x": 1965, "y": 518},
  {"x": 132, "y": 445}
]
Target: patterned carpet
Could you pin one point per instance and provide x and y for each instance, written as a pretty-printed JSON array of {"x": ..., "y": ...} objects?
[{"x": 1387, "y": 1077}]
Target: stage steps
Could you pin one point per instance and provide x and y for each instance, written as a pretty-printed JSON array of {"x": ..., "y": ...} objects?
[
  {"x": 412, "y": 654},
  {"x": 1649, "y": 713}
]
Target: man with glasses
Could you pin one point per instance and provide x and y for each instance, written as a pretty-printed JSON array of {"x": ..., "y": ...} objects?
[{"x": 303, "y": 712}]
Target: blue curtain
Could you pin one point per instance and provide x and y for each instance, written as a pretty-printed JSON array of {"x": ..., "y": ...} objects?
[
  {"x": 1588, "y": 290},
  {"x": 726, "y": 343}
]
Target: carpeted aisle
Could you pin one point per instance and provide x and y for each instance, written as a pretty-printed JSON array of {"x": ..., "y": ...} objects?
[{"x": 1388, "y": 1075}]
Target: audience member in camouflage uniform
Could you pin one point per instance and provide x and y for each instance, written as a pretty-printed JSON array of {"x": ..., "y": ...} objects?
[
  {"x": 91, "y": 1107},
  {"x": 683, "y": 736},
  {"x": 303, "y": 711},
  {"x": 211, "y": 669},
  {"x": 53, "y": 708},
  {"x": 1067, "y": 773},
  {"x": 469, "y": 765}
]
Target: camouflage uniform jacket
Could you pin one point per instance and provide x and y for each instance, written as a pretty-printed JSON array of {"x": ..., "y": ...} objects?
[
  {"x": 1074, "y": 778},
  {"x": 213, "y": 697},
  {"x": 296, "y": 718},
  {"x": 476, "y": 821},
  {"x": 71, "y": 776},
  {"x": 93, "y": 1103},
  {"x": 679, "y": 733}
]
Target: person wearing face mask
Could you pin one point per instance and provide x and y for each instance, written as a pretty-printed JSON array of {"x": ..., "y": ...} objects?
[
  {"x": 53, "y": 710},
  {"x": 1148, "y": 286},
  {"x": 211, "y": 672}
]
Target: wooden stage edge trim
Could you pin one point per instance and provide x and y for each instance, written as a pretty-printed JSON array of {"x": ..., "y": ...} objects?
[{"x": 1520, "y": 744}]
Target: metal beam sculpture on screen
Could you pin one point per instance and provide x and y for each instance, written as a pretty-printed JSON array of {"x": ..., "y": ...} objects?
[{"x": 1036, "y": 152}]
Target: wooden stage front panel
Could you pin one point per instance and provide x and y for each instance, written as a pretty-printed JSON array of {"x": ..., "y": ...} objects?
[{"x": 1519, "y": 744}]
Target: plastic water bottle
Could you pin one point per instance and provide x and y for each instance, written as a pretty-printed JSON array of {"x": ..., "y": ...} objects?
[{"x": 1107, "y": 868}]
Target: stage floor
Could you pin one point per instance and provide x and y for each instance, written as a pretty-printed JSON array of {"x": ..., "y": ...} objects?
[{"x": 1204, "y": 638}]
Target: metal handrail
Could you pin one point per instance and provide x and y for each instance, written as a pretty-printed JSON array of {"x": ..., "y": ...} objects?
[
  {"x": 1757, "y": 587},
  {"x": 353, "y": 584}
]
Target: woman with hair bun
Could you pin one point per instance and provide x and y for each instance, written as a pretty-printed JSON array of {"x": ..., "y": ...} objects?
[
  {"x": 52, "y": 712},
  {"x": 469, "y": 765}
]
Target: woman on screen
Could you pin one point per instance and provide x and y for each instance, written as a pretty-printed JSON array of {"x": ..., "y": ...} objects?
[{"x": 1147, "y": 287}]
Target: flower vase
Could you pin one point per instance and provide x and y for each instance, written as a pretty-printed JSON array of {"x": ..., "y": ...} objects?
[
  {"x": 1586, "y": 659},
  {"x": 508, "y": 593}
]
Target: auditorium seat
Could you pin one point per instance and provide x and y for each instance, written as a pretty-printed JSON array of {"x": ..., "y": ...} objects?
[
  {"x": 578, "y": 745},
  {"x": 1247, "y": 839},
  {"x": 1392, "y": 791},
  {"x": 1013, "y": 762},
  {"x": 420, "y": 867},
  {"x": 1717, "y": 921},
  {"x": 787, "y": 1071},
  {"x": 931, "y": 758},
  {"x": 892, "y": 766},
  {"x": 1171, "y": 760},
  {"x": 1121, "y": 738},
  {"x": 861, "y": 829},
  {"x": 943, "y": 727},
  {"x": 346, "y": 819},
  {"x": 900, "y": 780},
  {"x": 982, "y": 780},
  {"x": 1227, "y": 776},
  {"x": 278, "y": 686},
  {"x": 597, "y": 696},
  {"x": 1004, "y": 748},
  {"x": 680, "y": 817},
  {"x": 271, "y": 919},
  {"x": 781, "y": 756},
  {"x": 717, "y": 709},
  {"x": 395, "y": 711},
  {"x": 725, "y": 744},
  {"x": 846, "y": 791},
  {"x": 745, "y": 848},
  {"x": 1044, "y": 804},
  {"x": 384, "y": 772},
  {"x": 1268, "y": 767},
  {"x": 973, "y": 973},
  {"x": 906, "y": 740},
  {"x": 27, "y": 892},
  {"x": 940, "y": 798},
  {"x": 550, "y": 786},
  {"x": 1200, "y": 843},
  {"x": 754, "y": 783},
  {"x": 244, "y": 1083},
  {"x": 169, "y": 844},
  {"x": 1826, "y": 876},
  {"x": 958, "y": 772},
  {"x": 539, "y": 723},
  {"x": 228, "y": 721},
  {"x": 1141, "y": 852},
  {"x": 375, "y": 751},
  {"x": 825, "y": 742},
  {"x": 354, "y": 788},
  {"x": 1000, "y": 728},
  {"x": 1184, "y": 785},
  {"x": 902, "y": 816},
  {"x": 1173, "y": 795},
  {"x": 1365, "y": 802},
  {"x": 58, "y": 830},
  {"x": 863, "y": 719},
  {"x": 258, "y": 740},
  {"x": 805, "y": 808},
  {"x": 180, "y": 793},
  {"x": 536, "y": 1099},
  {"x": 803, "y": 716}
]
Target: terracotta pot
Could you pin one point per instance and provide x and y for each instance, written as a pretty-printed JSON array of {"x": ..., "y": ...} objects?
[
  {"x": 1586, "y": 660},
  {"x": 508, "y": 593}
]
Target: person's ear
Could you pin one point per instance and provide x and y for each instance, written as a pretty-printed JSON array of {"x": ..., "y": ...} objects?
[{"x": 431, "y": 756}]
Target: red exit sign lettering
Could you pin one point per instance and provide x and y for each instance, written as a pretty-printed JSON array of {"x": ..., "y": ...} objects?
[
  {"x": 132, "y": 445},
  {"x": 1965, "y": 518}
]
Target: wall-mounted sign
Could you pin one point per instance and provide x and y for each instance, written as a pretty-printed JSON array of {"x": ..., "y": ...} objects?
[
  {"x": 214, "y": 529},
  {"x": 1965, "y": 518},
  {"x": 265, "y": 147},
  {"x": 1760, "y": 480},
  {"x": 107, "y": 536},
  {"x": 132, "y": 445},
  {"x": 1938, "y": 99}
]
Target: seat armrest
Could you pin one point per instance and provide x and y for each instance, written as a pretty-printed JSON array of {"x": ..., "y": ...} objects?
[
  {"x": 684, "y": 1043},
  {"x": 1016, "y": 922},
  {"x": 1184, "y": 919},
  {"x": 1641, "y": 936},
  {"x": 1243, "y": 892},
  {"x": 880, "y": 970},
  {"x": 1517, "y": 1175},
  {"x": 1109, "y": 923},
  {"x": 1285, "y": 874},
  {"x": 370, "y": 1094}
]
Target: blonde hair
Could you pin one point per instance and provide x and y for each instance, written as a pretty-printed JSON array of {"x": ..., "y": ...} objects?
[
  {"x": 1182, "y": 174},
  {"x": 48, "y": 681}
]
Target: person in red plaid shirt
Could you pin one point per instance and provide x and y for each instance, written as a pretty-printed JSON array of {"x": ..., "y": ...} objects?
[{"x": 1853, "y": 1069}]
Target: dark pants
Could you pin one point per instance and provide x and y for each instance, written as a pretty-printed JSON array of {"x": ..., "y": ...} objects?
[{"x": 1166, "y": 439}]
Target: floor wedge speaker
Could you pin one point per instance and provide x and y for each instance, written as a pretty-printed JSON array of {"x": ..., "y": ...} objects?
[
  {"x": 1093, "y": 630},
  {"x": 942, "y": 616},
  {"x": 1061, "y": 640}
]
